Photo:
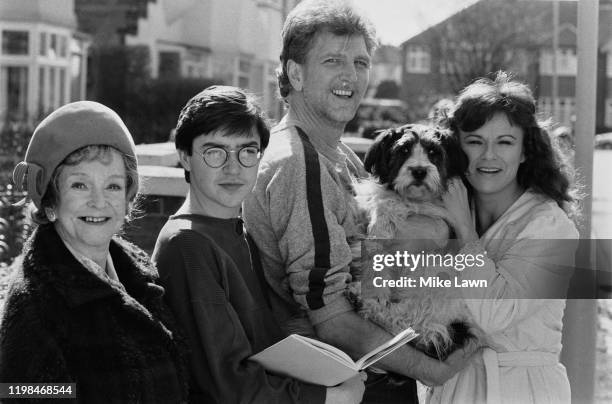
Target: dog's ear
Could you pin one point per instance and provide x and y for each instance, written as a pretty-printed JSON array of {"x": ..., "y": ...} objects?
[
  {"x": 377, "y": 158},
  {"x": 457, "y": 161}
]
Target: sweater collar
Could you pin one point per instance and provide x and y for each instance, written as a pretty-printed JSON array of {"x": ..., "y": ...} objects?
[{"x": 325, "y": 142}]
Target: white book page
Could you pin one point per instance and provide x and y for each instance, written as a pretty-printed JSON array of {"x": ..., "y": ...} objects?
[
  {"x": 385, "y": 349},
  {"x": 297, "y": 357},
  {"x": 330, "y": 350}
]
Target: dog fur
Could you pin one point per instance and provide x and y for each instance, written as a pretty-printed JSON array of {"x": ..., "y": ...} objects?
[{"x": 410, "y": 168}]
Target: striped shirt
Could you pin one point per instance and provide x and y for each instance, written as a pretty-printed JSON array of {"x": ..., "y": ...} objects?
[{"x": 300, "y": 214}]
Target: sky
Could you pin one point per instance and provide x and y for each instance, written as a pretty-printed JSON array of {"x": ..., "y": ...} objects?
[{"x": 399, "y": 20}]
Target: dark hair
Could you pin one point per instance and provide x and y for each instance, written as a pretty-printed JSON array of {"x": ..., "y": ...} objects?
[
  {"x": 230, "y": 110},
  {"x": 311, "y": 16},
  {"x": 545, "y": 169},
  {"x": 97, "y": 152}
]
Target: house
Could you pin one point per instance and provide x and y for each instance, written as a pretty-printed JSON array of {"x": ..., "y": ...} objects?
[
  {"x": 386, "y": 66},
  {"x": 235, "y": 41},
  {"x": 42, "y": 60},
  {"x": 432, "y": 60}
]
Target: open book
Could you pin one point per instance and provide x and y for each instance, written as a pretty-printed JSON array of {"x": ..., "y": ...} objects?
[{"x": 316, "y": 362}]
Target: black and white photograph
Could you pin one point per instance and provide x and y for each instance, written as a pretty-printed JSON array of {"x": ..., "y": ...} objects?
[{"x": 306, "y": 201}]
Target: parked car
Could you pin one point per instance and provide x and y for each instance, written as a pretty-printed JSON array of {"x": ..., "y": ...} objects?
[
  {"x": 603, "y": 141},
  {"x": 359, "y": 145},
  {"x": 377, "y": 113}
]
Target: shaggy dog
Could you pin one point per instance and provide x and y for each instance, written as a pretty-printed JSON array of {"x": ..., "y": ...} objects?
[{"x": 410, "y": 167}]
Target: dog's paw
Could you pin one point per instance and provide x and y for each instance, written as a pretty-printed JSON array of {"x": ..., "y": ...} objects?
[
  {"x": 463, "y": 335},
  {"x": 353, "y": 295}
]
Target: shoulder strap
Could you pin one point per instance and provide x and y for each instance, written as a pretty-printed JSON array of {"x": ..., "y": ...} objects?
[{"x": 322, "y": 260}]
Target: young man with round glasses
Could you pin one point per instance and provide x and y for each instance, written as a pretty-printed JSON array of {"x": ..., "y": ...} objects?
[{"x": 209, "y": 266}]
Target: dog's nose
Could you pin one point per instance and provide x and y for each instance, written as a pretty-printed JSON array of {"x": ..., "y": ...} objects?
[{"x": 419, "y": 173}]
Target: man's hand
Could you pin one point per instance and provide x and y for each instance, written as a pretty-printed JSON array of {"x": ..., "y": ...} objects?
[
  {"x": 349, "y": 392},
  {"x": 357, "y": 336}
]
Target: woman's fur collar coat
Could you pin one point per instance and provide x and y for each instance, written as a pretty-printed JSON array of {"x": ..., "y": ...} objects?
[{"x": 61, "y": 323}]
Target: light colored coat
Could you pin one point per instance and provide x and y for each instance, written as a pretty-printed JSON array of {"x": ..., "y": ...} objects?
[{"x": 524, "y": 365}]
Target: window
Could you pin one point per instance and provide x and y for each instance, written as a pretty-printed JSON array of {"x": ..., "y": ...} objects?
[
  {"x": 76, "y": 77},
  {"x": 195, "y": 63},
  {"x": 63, "y": 45},
  {"x": 244, "y": 65},
  {"x": 561, "y": 113},
  {"x": 53, "y": 51},
  {"x": 77, "y": 65},
  {"x": 566, "y": 111},
  {"x": 42, "y": 44},
  {"x": 546, "y": 62},
  {"x": 53, "y": 45},
  {"x": 14, "y": 85},
  {"x": 62, "y": 85},
  {"x": 418, "y": 59},
  {"x": 567, "y": 62},
  {"x": 272, "y": 100},
  {"x": 271, "y": 95},
  {"x": 562, "y": 109},
  {"x": 608, "y": 117},
  {"x": 169, "y": 64},
  {"x": 569, "y": 114},
  {"x": 257, "y": 78},
  {"x": 545, "y": 106},
  {"x": 41, "y": 91},
  {"x": 244, "y": 73},
  {"x": 15, "y": 42},
  {"x": 52, "y": 91}
]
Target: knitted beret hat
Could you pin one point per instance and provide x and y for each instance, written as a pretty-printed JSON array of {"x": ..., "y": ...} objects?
[{"x": 65, "y": 130}]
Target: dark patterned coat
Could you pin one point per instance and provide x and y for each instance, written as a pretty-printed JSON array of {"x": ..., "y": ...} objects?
[{"x": 63, "y": 324}]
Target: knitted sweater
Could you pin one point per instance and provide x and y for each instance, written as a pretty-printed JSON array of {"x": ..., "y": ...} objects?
[
  {"x": 63, "y": 324},
  {"x": 301, "y": 213},
  {"x": 215, "y": 292}
]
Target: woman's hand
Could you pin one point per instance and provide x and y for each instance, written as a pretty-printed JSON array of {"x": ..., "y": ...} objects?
[
  {"x": 440, "y": 372},
  {"x": 457, "y": 204}
]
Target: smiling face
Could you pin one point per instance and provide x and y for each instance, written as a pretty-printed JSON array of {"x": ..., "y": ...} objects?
[
  {"x": 219, "y": 192},
  {"x": 334, "y": 77},
  {"x": 494, "y": 151},
  {"x": 92, "y": 203}
]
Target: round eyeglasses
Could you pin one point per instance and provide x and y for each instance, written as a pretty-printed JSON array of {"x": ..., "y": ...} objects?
[{"x": 216, "y": 157}]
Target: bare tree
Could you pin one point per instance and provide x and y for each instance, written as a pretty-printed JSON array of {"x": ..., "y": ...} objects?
[{"x": 489, "y": 36}]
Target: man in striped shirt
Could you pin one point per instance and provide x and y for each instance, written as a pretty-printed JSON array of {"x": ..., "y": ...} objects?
[{"x": 301, "y": 210}]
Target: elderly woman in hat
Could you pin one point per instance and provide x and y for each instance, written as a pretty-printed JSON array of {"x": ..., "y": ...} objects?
[{"x": 83, "y": 306}]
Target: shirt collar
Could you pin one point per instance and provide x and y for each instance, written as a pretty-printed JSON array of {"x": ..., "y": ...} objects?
[{"x": 106, "y": 274}]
